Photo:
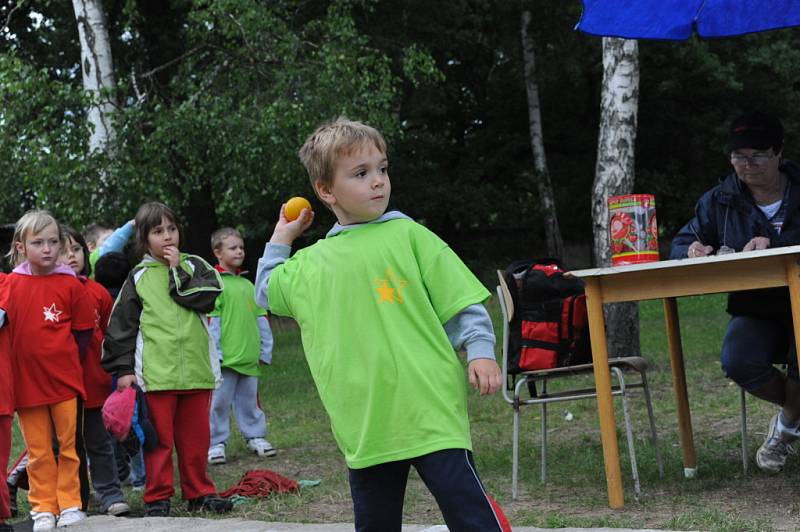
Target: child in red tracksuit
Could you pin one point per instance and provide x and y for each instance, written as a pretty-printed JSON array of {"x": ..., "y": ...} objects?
[
  {"x": 50, "y": 320},
  {"x": 6, "y": 407}
]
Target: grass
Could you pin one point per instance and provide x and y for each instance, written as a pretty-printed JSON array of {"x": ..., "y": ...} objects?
[{"x": 720, "y": 498}]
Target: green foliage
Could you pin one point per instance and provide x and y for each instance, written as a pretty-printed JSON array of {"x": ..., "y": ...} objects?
[
  {"x": 43, "y": 142},
  {"x": 216, "y": 96},
  {"x": 223, "y": 120}
]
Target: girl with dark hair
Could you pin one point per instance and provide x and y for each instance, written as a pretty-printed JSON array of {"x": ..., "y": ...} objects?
[
  {"x": 158, "y": 339},
  {"x": 97, "y": 383}
]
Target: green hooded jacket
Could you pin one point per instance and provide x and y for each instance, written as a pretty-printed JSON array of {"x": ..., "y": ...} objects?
[{"x": 158, "y": 329}]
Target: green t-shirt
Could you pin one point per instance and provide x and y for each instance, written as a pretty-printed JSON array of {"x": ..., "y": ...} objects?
[
  {"x": 240, "y": 337},
  {"x": 371, "y": 302}
]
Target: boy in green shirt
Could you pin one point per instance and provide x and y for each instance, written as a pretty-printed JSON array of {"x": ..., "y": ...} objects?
[
  {"x": 243, "y": 339},
  {"x": 382, "y": 305}
]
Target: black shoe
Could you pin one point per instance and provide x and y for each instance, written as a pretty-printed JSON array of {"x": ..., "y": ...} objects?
[
  {"x": 5, "y": 527},
  {"x": 157, "y": 508},
  {"x": 12, "y": 493},
  {"x": 210, "y": 503}
]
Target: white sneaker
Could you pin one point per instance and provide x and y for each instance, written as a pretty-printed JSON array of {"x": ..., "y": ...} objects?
[
  {"x": 261, "y": 447},
  {"x": 772, "y": 454},
  {"x": 216, "y": 454},
  {"x": 70, "y": 516},
  {"x": 43, "y": 521},
  {"x": 118, "y": 508}
]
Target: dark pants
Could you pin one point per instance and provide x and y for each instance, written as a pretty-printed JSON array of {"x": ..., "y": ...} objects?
[
  {"x": 450, "y": 475},
  {"x": 102, "y": 466},
  {"x": 5, "y": 448},
  {"x": 80, "y": 448},
  {"x": 752, "y": 345}
]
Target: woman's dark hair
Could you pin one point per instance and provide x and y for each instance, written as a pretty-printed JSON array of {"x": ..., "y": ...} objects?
[
  {"x": 72, "y": 234},
  {"x": 149, "y": 216},
  {"x": 111, "y": 270}
]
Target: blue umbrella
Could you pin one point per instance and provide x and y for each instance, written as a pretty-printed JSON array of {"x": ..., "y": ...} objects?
[{"x": 678, "y": 19}]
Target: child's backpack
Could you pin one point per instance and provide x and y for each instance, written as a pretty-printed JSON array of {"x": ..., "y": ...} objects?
[{"x": 550, "y": 327}]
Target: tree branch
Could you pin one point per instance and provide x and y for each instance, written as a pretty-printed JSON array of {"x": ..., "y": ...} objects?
[
  {"x": 173, "y": 61},
  {"x": 8, "y": 17}
]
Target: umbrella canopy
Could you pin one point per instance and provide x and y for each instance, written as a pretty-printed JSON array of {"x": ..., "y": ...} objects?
[{"x": 677, "y": 19}]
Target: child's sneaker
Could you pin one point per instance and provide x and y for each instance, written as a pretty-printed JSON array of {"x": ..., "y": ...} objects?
[
  {"x": 210, "y": 503},
  {"x": 118, "y": 508},
  {"x": 216, "y": 454},
  {"x": 261, "y": 447},
  {"x": 70, "y": 516},
  {"x": 157, "y": 508},
  {"x": 43, "y": 521}
]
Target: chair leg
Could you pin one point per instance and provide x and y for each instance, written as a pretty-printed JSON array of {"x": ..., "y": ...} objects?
[
  {"x": 743, "y": 402},
  {"x": 637, "y": 488},
  {"x": 652, "y": 417},
  {"x": 544, "y": 433},
  {"x": 515, "y": 452}
]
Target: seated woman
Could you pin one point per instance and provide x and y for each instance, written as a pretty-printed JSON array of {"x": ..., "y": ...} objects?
[{"x": 757, "y": 206}]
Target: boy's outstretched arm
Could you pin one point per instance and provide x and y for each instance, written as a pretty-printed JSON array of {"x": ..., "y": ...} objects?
[
  {"x": 471, "y": 329},
  {"x": 278, "y": 249}
]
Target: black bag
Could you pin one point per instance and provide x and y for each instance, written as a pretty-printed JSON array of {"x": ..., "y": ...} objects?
[{"x": 550, "y": 326}]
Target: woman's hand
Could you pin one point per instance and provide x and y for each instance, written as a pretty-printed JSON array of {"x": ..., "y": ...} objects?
[
  {"x": 759, "y": 242},
  {"x": 697, "y": 249}
]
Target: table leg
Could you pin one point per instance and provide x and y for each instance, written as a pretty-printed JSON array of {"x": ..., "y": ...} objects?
[
  {"x": 602, "y": 382},
  {"x": 793, "y": 280},
  {"x": 679, "y": 386}
]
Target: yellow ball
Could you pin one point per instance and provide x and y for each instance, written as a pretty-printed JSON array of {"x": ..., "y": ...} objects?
[{"x": 295, "y": 206}]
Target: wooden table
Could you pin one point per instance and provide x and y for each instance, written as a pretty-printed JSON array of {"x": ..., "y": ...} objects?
[{"x": 667, "y": 280}]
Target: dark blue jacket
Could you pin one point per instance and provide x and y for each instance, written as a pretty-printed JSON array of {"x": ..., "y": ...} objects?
[{"x": 727, "y": 215}]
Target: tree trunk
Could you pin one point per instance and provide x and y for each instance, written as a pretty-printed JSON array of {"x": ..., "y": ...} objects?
[
  {"x": 614, "y": 173},
  {"x": 201, "y": 217},
  {"x": 98, "y": 70},
  {"x": 555, "y": 244}
]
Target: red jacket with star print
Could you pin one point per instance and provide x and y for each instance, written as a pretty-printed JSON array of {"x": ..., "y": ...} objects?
[
  {"x": 43, "y": 311},
  {"x": 95, "y": 379},
  {"x": 6, "y": 378}
]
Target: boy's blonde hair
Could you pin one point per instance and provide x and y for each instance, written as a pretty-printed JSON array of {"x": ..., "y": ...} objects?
[
  {"x": 332, "y": 140},
  {"x": 32, "y": 222},
  {"x": 218, "y": 236},
  {"x": 93, "y": 232}
]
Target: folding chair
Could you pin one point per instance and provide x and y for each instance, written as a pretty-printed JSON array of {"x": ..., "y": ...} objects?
[{"x": 539, "y": 379}]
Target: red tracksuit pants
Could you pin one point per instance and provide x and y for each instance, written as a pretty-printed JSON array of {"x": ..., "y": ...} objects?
[{"x": 180, "y": 419}]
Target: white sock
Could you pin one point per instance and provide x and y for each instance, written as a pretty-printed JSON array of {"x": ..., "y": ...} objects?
[{"x": 790, "y": 430}]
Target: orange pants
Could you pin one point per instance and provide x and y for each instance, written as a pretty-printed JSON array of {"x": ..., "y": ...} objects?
[{"x": 54, "y": 486}]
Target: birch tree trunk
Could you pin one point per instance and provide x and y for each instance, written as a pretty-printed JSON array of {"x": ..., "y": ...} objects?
[
  {"x": 98, "y": 70},
  {"x": 614, "y": 173},
  {"x": 547, "y": 203}
]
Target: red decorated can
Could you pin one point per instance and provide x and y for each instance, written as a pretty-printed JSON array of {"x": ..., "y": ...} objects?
[{"x": 632, "y": 229}]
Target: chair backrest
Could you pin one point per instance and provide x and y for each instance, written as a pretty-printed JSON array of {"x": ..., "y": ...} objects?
[
  {"x": 507, "y": 309},
  {"x": 506, "y": 300}
]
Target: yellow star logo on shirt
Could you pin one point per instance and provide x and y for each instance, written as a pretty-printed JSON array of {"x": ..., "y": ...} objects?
[{"x": 389, "y": 287}]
